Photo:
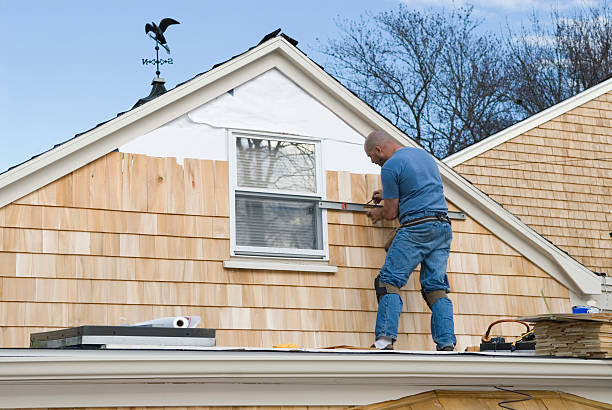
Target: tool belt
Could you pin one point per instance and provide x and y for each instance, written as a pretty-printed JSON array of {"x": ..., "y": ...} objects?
[{"x": 416, "y": 221}]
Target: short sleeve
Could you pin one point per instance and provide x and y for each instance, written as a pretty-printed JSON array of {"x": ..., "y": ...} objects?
[{"x": 390, "y": 185}]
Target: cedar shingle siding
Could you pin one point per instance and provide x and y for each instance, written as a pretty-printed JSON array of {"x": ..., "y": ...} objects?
[
  {"x": 557, "y": 178},
  {"x": 129, "y": 238}
]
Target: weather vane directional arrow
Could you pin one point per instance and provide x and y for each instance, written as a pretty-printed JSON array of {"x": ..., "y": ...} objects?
[{"x": 156, "y": 32}]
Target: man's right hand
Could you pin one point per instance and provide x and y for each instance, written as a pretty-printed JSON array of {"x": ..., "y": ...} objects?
[{"x": 377, "y": 196}]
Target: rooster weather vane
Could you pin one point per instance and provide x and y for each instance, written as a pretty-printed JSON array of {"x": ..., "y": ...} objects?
[{"x": 156, "y": 32}]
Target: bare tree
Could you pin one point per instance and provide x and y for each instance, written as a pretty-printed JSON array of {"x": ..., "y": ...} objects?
[
  {"x": 391, "y": 64},
  {"x": 428, "y": 72},
  {"x": 470, "y": 101},
  {"x": 587, "y": 41},
  {"x": 439, "y": 78},
  {"x": 552, "y": 62}
]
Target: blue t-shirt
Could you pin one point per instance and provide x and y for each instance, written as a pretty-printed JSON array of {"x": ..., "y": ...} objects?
[{"x": 412, "y": 175}]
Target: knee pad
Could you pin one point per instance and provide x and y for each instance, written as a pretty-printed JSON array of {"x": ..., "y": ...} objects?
[
  {"x": 383, "y": 289},
  {"x": 433, "y": 296}
]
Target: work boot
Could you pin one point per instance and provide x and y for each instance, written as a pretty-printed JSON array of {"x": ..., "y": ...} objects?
[
  {"x": 388, "y": 347},
  {"x": 449, "y": 348},
  {"x": 383, "y": 343}
]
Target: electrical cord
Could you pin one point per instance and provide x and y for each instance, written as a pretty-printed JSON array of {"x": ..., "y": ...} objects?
[
  {"x": 524, "y": 337},
  {"x": 503, "y": 402},
  {"x": 486, "y": 337}
]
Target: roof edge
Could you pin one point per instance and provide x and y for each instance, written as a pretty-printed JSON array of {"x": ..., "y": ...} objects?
[
  {"x": 239, "y": 362},
  {"x": 272, "y": 377},
  {"x": 527, "y": 124}
]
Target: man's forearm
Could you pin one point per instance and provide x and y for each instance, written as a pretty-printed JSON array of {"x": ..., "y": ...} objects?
[
  {"x": 388, "y": 211},
  {"x": 390, "y": 208},
  {"x": 390, "y": 214}
]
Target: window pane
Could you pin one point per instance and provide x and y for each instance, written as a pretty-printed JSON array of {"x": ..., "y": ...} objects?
[
  {"x": 277, "y": 222},
  {"x": 273, "y": 164}
]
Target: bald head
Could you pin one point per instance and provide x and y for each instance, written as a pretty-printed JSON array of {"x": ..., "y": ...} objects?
[
  {"x": 380, "y": 146},
  {"x": 377, "y": 138}
]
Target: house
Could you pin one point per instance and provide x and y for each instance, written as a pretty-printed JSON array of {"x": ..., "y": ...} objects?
[
  {"x": 554, "y": 171},
  {"x": 206, "y": 201}
]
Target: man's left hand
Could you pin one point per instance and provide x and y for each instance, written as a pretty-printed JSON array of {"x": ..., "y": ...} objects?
[{"x": 375, "y": 214}]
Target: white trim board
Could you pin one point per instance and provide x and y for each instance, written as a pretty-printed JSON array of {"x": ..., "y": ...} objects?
[
  {"x": 278, "y": 53},
  {"x": 527, "y": 124},
  {"x": 275, "y": 377},
  {"x": 258, "y": 263}
]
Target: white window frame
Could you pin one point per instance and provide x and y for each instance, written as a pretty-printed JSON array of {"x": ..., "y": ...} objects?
[{"x": 266, "y": 252}]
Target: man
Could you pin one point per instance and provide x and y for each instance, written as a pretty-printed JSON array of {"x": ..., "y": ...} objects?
[{"x": 412, "y": 191}]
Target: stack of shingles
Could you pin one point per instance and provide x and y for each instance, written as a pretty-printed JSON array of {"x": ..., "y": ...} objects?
[{"x": 575, "y": 335}]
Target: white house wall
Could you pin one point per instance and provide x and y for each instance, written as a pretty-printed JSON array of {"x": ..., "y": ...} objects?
[
  {"x": 271, "y": 103},
  {"x": 181, "y": 138}
]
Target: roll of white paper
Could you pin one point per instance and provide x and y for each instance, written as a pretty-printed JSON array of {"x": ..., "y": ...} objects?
[
  {"x": 180, "y": 321},
  {"x": 172, "y": 321}
]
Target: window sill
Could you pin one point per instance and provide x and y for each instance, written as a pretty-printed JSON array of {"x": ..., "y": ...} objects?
[{"x": 303, "y": 265}]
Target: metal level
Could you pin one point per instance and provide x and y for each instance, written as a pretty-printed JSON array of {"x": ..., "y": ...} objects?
[
  {"x": 353, "y": 207},
  {"x": 346, "y": 206},
  {"x": 458, "y": 216}
]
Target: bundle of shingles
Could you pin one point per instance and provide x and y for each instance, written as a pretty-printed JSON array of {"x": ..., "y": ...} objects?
[{"x": 574, "y": 335}]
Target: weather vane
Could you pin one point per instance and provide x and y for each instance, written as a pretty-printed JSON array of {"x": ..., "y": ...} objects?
[{"x": 158, "y": 36}]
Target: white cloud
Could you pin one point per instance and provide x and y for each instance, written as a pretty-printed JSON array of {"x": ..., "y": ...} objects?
[
  {"x": 505, "y": 4},
  {"x": 520, "y": 6},
  {"x": 543, "y": 41}
]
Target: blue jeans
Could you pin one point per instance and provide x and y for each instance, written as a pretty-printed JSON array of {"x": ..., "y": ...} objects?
[{"x": 428, "y": 244}]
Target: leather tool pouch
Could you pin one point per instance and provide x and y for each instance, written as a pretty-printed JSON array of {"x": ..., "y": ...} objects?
[{"x": 391, "y": 237}]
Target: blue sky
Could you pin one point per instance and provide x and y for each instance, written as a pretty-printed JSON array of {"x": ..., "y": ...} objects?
[{"x": 68, "y": 65}]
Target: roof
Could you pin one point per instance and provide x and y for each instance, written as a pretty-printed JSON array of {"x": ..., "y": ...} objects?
[
  {"x": 280, "y": 53},
  {"x": 528, "y": 124},
  {"x": 476, "y": 399},
  {"x": 251, "y": 377}
]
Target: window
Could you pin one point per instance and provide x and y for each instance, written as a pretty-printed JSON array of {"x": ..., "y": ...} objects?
[{"x": 276, "y": 188}]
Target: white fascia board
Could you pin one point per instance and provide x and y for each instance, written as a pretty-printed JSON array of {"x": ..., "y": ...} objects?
[
  {"x": 251, "y": 377},
  {"x": 529, "y": 123}
]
